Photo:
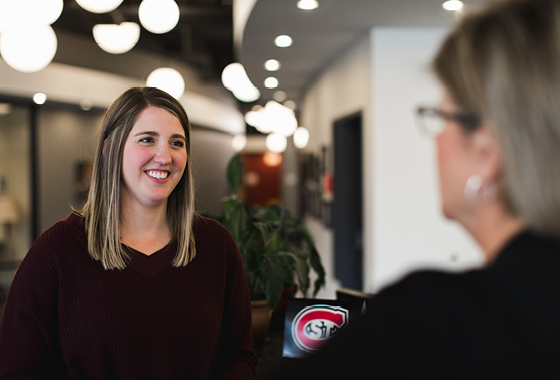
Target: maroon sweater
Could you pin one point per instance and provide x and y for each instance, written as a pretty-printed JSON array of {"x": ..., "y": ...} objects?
[{"x": 67, "y": 317}]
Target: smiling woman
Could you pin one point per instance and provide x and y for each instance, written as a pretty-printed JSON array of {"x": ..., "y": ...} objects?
[{"x": 118, "y": 290}]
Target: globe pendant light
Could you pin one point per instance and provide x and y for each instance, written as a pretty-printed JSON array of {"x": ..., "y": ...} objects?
[
  {"x": 158, "y": 16},
  {"x": 168, "y": 80},
  {"x": 99, "y": 6},
  {"x": 28, "y": 50},
  {"x": 116, "y": 39}
]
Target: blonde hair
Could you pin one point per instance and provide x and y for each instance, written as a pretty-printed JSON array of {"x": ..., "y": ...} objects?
[
  {"x": 102, "y": 212},
  {"x": 502, "y": 63}
]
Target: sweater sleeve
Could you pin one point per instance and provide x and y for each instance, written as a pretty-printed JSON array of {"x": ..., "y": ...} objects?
[
  {"x": 237, "y": 358},
  {"x": 29, "y": 346}
]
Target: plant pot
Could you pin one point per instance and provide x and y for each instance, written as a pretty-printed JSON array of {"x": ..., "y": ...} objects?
[
  {"x": 279, "y": 314},
  {"x": 260, "y": 313}
]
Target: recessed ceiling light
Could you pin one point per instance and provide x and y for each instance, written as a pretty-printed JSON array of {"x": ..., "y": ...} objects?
[
  {"x": 271, "y": 82},
  {"x": 307, "y": 4},
  {"x": 453, "y": 5},
  {"x": 272, "y": 65},
  {"x": 290, "y": 104},
  {"x": 40, "y": 98},
  {"x": 279, "y": 96},
  {"x": 283, "y": 41}
]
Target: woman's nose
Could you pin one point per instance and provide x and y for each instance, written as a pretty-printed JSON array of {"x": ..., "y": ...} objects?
[{"x": 162, "y": 155}]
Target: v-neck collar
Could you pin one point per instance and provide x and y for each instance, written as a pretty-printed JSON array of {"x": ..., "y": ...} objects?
[{"x": 153, "y": 264}]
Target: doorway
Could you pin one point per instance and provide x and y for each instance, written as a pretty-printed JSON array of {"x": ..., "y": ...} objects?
[{"x": 348, "y": 205}]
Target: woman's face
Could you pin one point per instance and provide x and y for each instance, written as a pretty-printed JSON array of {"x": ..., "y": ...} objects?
[
  {"x": 154, "y": 158},
  {"x": 456, "y": 163}
]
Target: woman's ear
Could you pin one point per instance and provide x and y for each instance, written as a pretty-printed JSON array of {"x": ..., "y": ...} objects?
[{"x": 487, "y": 155}]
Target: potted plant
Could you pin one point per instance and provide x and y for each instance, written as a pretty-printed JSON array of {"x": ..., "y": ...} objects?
[{"x": 277, "y": 250}]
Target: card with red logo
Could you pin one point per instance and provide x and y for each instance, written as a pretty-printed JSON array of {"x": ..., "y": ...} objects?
[{"x": 310, "y": 323}]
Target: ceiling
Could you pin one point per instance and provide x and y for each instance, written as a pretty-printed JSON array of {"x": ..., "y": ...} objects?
[
  {"x": 203, "y": 38},
  {"x": 320, "y": 35}
]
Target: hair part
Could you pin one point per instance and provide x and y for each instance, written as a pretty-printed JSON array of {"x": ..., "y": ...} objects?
[
  {"x": 503, "y": 64},
  {"x": 102, "y": 208}
]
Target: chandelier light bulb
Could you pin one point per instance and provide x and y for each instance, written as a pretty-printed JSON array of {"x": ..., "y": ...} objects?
[
  {"x": 168, "y": 80},
  {"x": 116, "y": 39},
  {"x": 99, "y": 6},
  {"x": 28, "y": 50},
  {"x": 22, "y": 14},
  {"x": 159, "y": 16}
]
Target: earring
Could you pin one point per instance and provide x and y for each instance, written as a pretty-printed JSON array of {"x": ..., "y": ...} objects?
[{"x": 477, "y": 193}]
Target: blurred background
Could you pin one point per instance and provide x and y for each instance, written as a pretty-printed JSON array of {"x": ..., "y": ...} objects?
[{"x": 318, "y": 96}]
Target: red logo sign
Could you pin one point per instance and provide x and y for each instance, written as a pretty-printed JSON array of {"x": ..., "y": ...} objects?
[{"x": 316, "y": 324}]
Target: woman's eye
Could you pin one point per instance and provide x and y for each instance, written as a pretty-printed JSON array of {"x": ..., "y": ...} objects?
[
  {"x": 178, "y": 143},
  {"x": 147, "y": 139}
]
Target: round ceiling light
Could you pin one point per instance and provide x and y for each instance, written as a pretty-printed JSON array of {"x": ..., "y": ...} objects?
[
  {"x": 168, "y": 80},
  {"x": 283, "y": 41},
  {"x": 272, "y": 65},
  {"x": 307, "y": 4},
  {"x": 99, "y": 6},
  {"x": 116, "y": 39},
  {"x": 28, "y": 50},
  {"x": 271, "y": 82},
  {"x": 159, "y": 16},
  {"x": 453, "y": 5},
  {"x": 39, "y": 98}
]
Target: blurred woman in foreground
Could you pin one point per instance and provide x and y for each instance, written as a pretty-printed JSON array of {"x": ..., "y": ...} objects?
[{"x": 499, "y": 168}]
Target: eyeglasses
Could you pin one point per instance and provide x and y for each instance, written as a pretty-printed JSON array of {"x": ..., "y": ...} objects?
[{"x": 431, "y": 121}]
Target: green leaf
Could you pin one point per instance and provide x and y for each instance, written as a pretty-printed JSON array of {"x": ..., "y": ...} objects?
[
  {"x": 301, "y": 267},
  {"x": 234, "y": 174},
  {"x": 235, "y": 218},
  {"x": 274, "y": 284}
]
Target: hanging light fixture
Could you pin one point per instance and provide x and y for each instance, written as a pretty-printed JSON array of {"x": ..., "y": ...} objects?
[
  {"x": 301, "y": 137},
  {"x": 276, "y": 143},
  {"x": 28, "y": 50},
  {"x": 116, "y": 39},
  {"x": 159, "y": 16},
  {"x": 99, "y": 6},
  {"x": 239, "y": 142},
  {"x": 21, "y": 14},
  {"x": 235, "y": 79},
  {"x": 168, "y": 80}
]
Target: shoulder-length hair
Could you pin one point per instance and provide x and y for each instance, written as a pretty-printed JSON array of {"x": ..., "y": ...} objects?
[
  {"x": 502, "y": 63},
  {"x": 102, "y": 208}
]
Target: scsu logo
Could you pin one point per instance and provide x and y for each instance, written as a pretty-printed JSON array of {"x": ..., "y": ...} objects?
[{"x": 316, "y": 324}]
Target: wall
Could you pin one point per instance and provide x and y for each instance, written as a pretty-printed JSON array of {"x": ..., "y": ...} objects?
[
  {"x": 408, "y": 229},
  {"x": 385, "y": 75},
  {"x": 15, "y": 166},
  {"x": 65, "y": 139},
  {"x": 340, "y": 91}
]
